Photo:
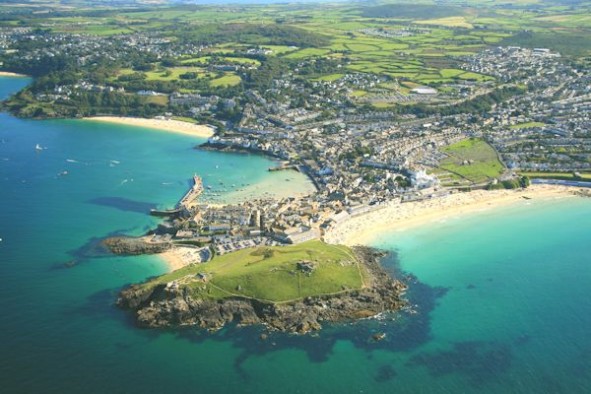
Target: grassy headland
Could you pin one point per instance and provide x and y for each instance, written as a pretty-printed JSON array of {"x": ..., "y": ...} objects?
[
  {"x": 291, "y": 288},
  {"x": 271, "y": 274}
]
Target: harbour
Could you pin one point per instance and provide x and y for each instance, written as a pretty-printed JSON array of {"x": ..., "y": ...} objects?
[{"x": 186, "y": 204}]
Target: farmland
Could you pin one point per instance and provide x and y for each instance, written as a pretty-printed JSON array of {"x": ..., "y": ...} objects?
[{"x": 418, "y": 43}]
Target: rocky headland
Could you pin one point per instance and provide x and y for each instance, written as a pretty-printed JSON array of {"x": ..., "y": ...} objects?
[
  {"x": 131, "y": 246},
  {"x": 167, "y": 305}
]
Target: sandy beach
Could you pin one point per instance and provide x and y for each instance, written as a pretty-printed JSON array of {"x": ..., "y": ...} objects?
[
  {"x": 173, "y": 259},
  {"x": 396, "y": 216},
  {"x": 277, "y": 185},
  {"x": 174, "y": 126},
  {"x": 180, "y": 256},
  {"x": 9, "y": 74}
]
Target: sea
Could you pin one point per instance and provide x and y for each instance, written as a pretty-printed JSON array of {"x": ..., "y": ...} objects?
[{"x": 499, "y": 299}]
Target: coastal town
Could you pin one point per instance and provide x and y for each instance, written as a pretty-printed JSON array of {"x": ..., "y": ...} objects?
[
  {"x": 358, "y": 171},
  {"x": 365, "y": 139},
  {"x": 304, "y": 196}
]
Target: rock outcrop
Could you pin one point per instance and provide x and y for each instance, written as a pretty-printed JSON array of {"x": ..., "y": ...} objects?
[{"x": 134, "y": 246}]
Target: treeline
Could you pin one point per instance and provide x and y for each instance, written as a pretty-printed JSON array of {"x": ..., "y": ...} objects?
[
  {"x": 411, "y": 11},
  {"x": 480, "y": 104},
  {"x": 262, "y": 78},
  {"x": 321, "y": 66},
  {"x": 574, "y": 42},
  {"x": 83, "y": 104},
  {"x": 252, "y": 35},
  {"x": 39, "y": 67}
]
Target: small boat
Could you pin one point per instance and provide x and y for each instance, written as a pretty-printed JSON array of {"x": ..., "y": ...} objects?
[{"x": 39, "y": 147}]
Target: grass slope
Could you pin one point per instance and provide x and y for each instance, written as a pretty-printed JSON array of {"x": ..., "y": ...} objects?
[{"x": 271, "y": 273}]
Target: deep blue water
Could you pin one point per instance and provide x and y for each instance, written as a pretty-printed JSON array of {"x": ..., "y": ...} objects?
[{"x": 502, "y": 296}]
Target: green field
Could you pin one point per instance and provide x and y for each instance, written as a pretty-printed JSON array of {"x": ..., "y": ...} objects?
[
  {"x": 271, "y": 273},
  {"x": 452, "y": 21},
  {"x": 473, "y": 160},
  {"x": 527, "y": 125},
  {"x": 565, "y": 176},
  {"x": 172, "y": 73},
  {"x": 330, "y": 77},
  {"x": 228, "y": 79},
  {"x": 306, "y": 53}
]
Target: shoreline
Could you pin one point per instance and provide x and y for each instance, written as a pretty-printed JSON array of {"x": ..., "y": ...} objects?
[
  {"x": 11, "y": 74},
  {"x": 364, "y": 229},
  {"x": 173, "y": 259},
  {"x": 171, "y": 125}
]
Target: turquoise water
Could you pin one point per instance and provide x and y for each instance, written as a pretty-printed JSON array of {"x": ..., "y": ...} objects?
[{"x": 502, "y": 296}]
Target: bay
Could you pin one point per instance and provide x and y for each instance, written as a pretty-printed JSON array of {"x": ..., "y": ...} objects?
[{"x": 500, "y": 296}]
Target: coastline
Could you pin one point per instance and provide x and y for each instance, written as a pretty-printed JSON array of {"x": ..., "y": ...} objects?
[
  {"x": 363, "y": 229},
  {"x": 174, "y": 126},
  {"x": 11, "y": 74}
]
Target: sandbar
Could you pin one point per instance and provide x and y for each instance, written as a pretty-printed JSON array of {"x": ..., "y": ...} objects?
[
  {"x": 171, "y": 125},
  {"x": 396, "y": 216}
]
